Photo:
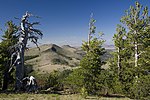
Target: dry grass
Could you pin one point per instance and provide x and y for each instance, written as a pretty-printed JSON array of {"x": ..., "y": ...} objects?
[
  {"x": 26, "y": 96},
  {"x": 44, "y": 60}
]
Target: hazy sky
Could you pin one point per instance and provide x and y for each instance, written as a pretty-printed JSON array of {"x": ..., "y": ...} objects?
[{"x": 66, "y": 21}]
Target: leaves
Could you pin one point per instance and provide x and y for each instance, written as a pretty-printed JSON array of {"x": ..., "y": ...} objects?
[
  {"x": 136, "y": 21},
  {"x": 91, "y": 63},
  {"x": 9, "y": 39}
]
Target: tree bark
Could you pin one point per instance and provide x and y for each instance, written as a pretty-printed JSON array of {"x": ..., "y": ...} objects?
[
  {"x": 118, "y": 62},
  {"x": 5, "y": 81},
  {"x": 27, "y": 32},
  {"x": 20, "y": 70},
  {"x": 135, "y": 42},
  {"x": 90, "y": 29},
  {"x": 136, "y": 54}
]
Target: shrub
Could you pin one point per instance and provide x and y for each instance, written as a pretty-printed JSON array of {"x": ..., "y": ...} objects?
[
  {"x": 141, "y": 88},
  {"x": 74, "y": 80},
  {"x": 55, "y": 79}
]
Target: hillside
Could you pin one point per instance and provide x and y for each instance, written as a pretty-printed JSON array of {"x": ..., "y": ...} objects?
[{"x": 53, "y": 57}]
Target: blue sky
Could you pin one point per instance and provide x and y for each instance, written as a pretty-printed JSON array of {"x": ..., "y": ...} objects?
[{"x": 66, "y": 21}]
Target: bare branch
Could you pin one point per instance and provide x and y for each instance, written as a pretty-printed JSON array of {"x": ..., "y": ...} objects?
[
  {"x": 37, "y": 31},
  {"x": 35, "y": 42}
]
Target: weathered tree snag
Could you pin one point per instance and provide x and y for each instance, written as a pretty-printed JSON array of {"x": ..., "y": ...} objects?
[
  {"x": 89, "y": 34},
  {"x": 91, "y": 28},
  {"x": 20, "y": 70},
  {"x": 27, "y": 32}
]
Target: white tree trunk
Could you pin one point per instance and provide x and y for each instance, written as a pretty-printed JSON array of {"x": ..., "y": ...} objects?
[
  {"x": 90, "y": 29},
  {"x": 88, "y": 39},
  {"x": 89, "y": 33},
  {"x": 118, "y": 62},
  {"x": 135, "y": 44},
  {"x": 20, "y": 70},
  {"x": 136, "y": 54},
  {"x": 27, "y": 31}
]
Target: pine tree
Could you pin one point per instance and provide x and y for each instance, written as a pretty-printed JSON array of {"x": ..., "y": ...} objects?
[
  {"x": 136, "y": 19},
  {"x": 119, "y": 44},
  {"x": 132, "y": 56},
  {"x": 8, "y": 39},
  {"x": 144, "y": 59},
  {"x": 121, "y": 63},
  {"x": 92, "y": 61}
]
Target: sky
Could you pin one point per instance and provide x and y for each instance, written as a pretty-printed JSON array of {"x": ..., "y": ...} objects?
[{"x": 65, "y": 22}]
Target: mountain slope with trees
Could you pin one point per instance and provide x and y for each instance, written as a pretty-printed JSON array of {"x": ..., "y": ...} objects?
[
  {"x": 90, "y": 70},
  {"x": 52, "y": 57}
]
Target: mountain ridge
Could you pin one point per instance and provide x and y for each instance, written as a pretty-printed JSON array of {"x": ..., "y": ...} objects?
[{"x": 53, "y": 57}]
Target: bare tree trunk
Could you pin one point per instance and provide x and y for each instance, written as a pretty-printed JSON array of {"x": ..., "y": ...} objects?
[
  {"x": 27, "y": 32},
  {"x": 89, "y": 34},
  {"x": 19, "y": 75},
  {"x": 136, "y": 54},
  {"x": 118, "y": 62},
  {"x": 135, "y": 43},
  {"x": 20, "y": 70},
  {"x": 88, "y": 39},
  {"x": 5, "y": 80},
  {"x": 90, "y": 29}
]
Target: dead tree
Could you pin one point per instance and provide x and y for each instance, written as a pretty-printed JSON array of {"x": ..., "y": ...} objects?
[{"x": 27, "y": 33}]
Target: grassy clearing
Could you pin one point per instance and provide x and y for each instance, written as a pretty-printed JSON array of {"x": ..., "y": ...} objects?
[{"x": 26, "y": 96}]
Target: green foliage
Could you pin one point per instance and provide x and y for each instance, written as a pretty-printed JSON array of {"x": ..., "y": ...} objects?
[
  {"x": 91, "y": 63},
  {"x": 84, "y": 92},
  {"x": 137, "y": 21},
  {"x": 141, "y": 88},
  {"x": 119, "y": 36},
  {"x": 75, "y": 80},
  {"x": 52, "y": 80},
  {"x": 87, "y": 78},
  {"x": 55, "y": 79},
  {"x": 8, "y": 39},
  {"x": 134, "y": 44}
]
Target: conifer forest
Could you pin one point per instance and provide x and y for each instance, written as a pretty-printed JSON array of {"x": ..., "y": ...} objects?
[{"x": 89, "y": 71}]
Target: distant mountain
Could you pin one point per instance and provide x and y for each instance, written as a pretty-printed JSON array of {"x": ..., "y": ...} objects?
[
  {"x": 109, "y": 46},
  {"x": 53, "y": 57}
]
